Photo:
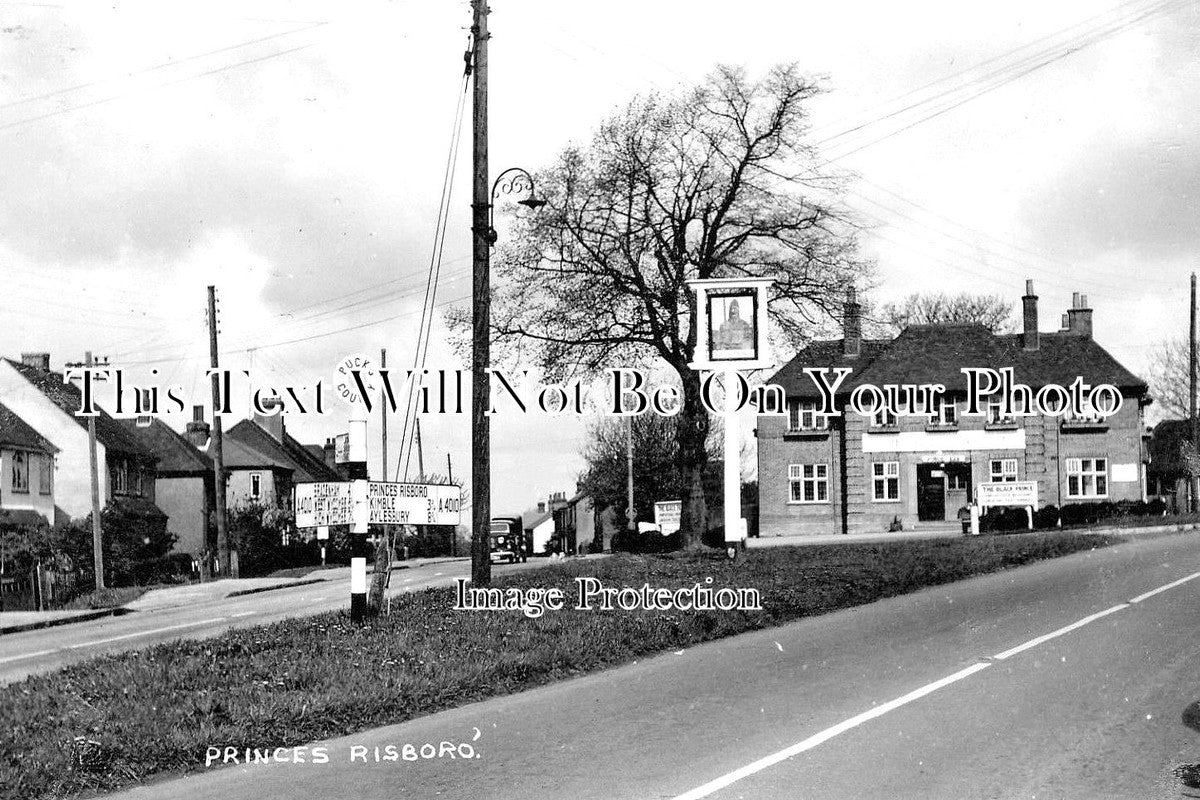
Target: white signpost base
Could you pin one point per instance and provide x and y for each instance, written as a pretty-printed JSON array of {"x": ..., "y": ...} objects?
[{"x": 734, "y": 536}]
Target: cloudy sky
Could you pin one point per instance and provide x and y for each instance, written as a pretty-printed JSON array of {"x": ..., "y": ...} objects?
[{"x": 292, "y": 155}]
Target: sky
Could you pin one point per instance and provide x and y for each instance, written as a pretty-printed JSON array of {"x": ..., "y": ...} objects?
[{"x": 292, "y": 155}]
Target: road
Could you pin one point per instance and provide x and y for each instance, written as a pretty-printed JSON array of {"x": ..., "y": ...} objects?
[
  {"x": 31, "y": 652},
  {"x": 1064, "y": 679}
]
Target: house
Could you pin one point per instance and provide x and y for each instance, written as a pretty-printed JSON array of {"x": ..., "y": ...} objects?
[
  {"x": 855, "y": 473},
  {"x": 26, "y": 473},
  {"x": 48, "y": 404},
  {"x": 264, "y": 462},
  {"x": 580, "y": 526},
  {"x": 183, "y": 483},
  {"x": 539, "y": 524}
]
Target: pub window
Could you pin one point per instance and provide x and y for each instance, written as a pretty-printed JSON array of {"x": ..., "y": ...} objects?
[
  {"x": 1087, "y": 477},
  {"x": 809, "y": 483},
  {"x": 883, "y": 418},
  {"x": 995, "y": 411},
  {"x": 803, "y": 416},
  {"x": 885, "y": 481},
  {"x": 1004, "y": 470},
  {"x": 255, "y": 485},
  {"x": 944, "y": 412}
]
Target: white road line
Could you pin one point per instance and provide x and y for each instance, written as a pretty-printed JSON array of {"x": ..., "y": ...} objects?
[
  {"x": 1171, "y": 585},
  {"x": 825, "y": 735},
  {"x": 26, "y": 655},
  {"x": 247, "y": 613},
  {"x": 1055, "y": 634},
  {"x": 763, "y": 763},
  {"x": 144, "y": 633}
]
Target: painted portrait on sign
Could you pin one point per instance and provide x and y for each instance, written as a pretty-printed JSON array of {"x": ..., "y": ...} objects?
[{"x": 731, "y": 326}]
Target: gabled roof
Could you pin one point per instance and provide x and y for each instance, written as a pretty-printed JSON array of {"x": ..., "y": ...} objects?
[
  {"x": 68, "y": 397},
  {"x": 287, "y": 453},
  {"x": 236, "y": 454},
  {"x": 532, "y": 520},
  {"x": 937, "y": 354},
  {"x": 175, "y": 453},
  {"x": 18, "y": 434}
]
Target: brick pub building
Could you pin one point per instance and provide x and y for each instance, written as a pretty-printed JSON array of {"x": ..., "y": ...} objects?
[{"x": 857, "y": 474}]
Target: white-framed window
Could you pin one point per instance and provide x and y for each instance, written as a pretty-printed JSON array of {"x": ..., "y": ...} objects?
[
  {"x": 995, "y": 411},
  {"x": 885, "y": 481},
  {"x": 20, "y": 472},
  {"x": 1087, "y": 477},
  {"x": 255, "y": 485},
  {"x": 809, "y": 483},
  {"x": 1086, "y": 414},
  {"x": 883, "y": 418},
  {"x": 956, "y": 481},
  {"x": 1004, "y": 470},
  {"x": 944, "y": 412},
  {"x": 46, "y": 474},
  {"x": 135, "y": 480},
  {"x": 803, "y": 416},
  {"x": 120, "y": 477}
]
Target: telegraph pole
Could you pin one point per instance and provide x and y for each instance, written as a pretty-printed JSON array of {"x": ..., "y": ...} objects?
[
  {"x": 630, "y": 513},
  {"x": 383, "y": 410},
  {"x": 228, "y": 554},
  {"x": 1194, "y": 485},
  {"x": 481, "y": 467},
  {"x": 97, "y": 530}
]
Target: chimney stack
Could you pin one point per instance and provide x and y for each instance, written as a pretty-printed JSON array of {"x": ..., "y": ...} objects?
[
  {"x": 1029, "y": 337},
  {"x": 37, "y": 360},
  {"x": 272, "y": 424},
  {"x": 1079, "y": 316},
  {"x": 329, "y": 453},
  {"x": 198, "y": 430},
  {"x": 541, "y": 506},
  {"x": 852, "y": 323}
]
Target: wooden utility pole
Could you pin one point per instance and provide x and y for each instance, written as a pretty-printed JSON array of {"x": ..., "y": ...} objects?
[
  {"x": 481, "y": 468},
  {"x": 450, "y": 479},
  {"x": 228, "y": 554},
  {"x": 383, "y": 412},
  {"x": 420, "y": 451},
  {"x": 97, "y": 529},
  {"x": 1194, "y": 484},
  {"x": 630, "y": 512}
]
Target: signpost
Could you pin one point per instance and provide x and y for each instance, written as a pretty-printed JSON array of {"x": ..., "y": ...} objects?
[
  {"x": 667, "y": 514},
  {"x": 1011, "y": 493},
  {"x": 319, "y": 505},
  {"x": 731, "y": 335}
]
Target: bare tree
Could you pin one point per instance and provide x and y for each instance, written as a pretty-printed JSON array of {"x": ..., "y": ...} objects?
[
  {"x": 1169, "y": 379},
  {"x": 991, "y": 311},
  {"x": 716, "y": 182}
]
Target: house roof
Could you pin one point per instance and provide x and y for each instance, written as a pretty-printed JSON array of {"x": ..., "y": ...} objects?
[
  {"x": 938, "y": 353},
  {"x": 236, "y": 454},
  {"x": 532, "y": 520},
  {"x": 286, "y": 453},
  {"x": 175, "y": 453},
  {"x": 68, "y": 397},
  {"x": 18, "y": 434}
]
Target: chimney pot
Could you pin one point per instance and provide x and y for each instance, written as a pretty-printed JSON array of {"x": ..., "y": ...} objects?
[
  {"x": 1066, "y": 321},
  {"x": 197, "y": 413},
  {"x": 852, "y": 325},
  {"x": 1029, "y": 317},
  {"x": 38, "y": 360},
  {"x": 1075, "y": 300}
]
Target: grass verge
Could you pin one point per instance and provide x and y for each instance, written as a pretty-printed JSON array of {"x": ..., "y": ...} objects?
[{"x": 118, "y": 720}]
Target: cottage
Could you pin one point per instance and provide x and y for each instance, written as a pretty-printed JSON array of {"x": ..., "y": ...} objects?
[
  {"x": 26, "y": 472},
  {"x": 856, "y": 473}
]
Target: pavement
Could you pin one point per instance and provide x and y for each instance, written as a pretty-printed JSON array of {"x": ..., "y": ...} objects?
[
  {"x": 1063, "y": 679},
  {"x": 190, "y": 594},
  {"x": 182, "y": 612},
  {"x": 942, "y": 531}
]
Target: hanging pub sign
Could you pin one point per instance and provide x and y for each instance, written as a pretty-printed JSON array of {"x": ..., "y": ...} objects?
[{"x": 731, "y": 323}]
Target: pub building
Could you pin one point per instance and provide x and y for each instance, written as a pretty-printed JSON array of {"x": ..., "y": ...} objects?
[{"x": 852, "y": 473}]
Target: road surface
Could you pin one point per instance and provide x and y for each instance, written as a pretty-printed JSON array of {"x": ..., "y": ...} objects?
[
  {"x": 1064, "y": 679},
  {"x": 31, "y": 652}
]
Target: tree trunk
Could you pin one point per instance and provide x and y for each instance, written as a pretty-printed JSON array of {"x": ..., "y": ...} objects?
[{"x": 693, "y": 458}]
